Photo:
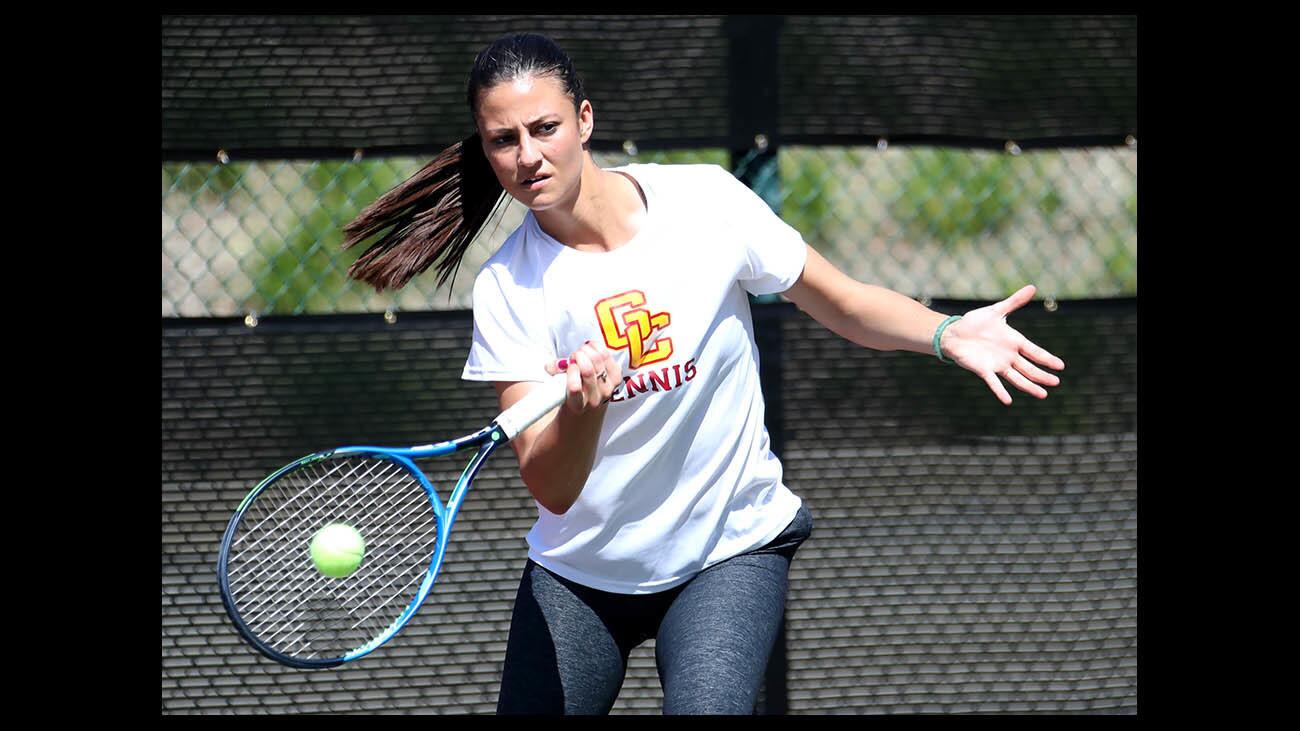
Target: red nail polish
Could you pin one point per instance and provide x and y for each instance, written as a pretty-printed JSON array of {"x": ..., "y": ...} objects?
[{"x": 562, "y": 364}]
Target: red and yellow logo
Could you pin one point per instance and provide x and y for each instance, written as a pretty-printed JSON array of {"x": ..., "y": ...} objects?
[{"x": 627, "y": 324}]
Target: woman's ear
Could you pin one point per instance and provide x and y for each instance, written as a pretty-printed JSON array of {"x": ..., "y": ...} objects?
[{"x": 586, "y": 121}]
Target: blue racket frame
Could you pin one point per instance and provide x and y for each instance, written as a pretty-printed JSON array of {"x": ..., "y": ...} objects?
[{"x": 487, "y": 440}]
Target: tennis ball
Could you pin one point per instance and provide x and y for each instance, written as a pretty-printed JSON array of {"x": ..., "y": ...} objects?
[{"x": 337, "y": 550}]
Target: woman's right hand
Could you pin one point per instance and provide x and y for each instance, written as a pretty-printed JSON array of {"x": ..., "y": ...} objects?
[{"x": 593, "y": 376}]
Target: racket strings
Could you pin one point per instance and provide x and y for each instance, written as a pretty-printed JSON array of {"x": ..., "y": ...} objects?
[
  {"x": 307, "y": 584},
  {"x": 303, "y": 497},
  {"x": 311, "y": 582},
  {"x": 258, "y": 555},
  {"x": 281, "y": 596},
  {"x": 299, "y": 598},
  {"x": 261, "y": 561},
  {"x": 288, "y": 586},
  {"x": 277, "y": 569}
]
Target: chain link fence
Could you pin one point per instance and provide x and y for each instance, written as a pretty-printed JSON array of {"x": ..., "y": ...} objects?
[
  {"x": 263, "y": 237},
  {"x": 967, "y": 557}
]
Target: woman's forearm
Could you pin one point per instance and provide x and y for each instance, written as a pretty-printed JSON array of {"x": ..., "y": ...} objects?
[
  {"x": 882, "y": 319},
  {"x": 557, "y": 454},
  {"x": 868, "y": 315},
  {"x": 559, "y": 460}
]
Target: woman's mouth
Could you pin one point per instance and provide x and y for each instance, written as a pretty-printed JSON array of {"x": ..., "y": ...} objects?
[{"x": 536, "y": 182}]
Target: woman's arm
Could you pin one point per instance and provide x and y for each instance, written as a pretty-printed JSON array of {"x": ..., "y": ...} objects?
[
  {"x": 882, "y": 319},
  {"x": 870, "y": 316},
  {"x": 557, "y": 452}
]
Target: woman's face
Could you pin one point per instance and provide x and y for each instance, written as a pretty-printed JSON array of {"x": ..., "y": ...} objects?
[{"x": 533, "y": 138}]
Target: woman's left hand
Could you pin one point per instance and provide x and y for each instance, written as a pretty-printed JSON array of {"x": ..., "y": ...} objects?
[{"x": 983, "y": 343}]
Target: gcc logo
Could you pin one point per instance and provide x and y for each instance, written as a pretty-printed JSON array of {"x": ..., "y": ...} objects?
[{"x": 626, "y": 324}]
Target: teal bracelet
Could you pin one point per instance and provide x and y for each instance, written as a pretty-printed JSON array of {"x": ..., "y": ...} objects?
[{"x": 939, "y": 333}]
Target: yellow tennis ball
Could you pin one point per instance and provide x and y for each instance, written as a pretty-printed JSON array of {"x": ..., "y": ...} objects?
[{"x": 337, "y": 550}]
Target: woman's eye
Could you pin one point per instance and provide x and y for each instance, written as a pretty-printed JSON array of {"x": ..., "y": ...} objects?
[{"x": 550, "y": 127}]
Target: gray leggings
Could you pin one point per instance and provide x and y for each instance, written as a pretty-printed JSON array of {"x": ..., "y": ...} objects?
[{"x": 569, "y": 643}]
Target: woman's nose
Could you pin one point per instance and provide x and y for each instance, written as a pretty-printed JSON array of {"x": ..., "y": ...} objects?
[{"x": 528, "y": 154}]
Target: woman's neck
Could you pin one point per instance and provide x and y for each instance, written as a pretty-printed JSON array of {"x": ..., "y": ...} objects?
[{"x": 606, "y": 213}]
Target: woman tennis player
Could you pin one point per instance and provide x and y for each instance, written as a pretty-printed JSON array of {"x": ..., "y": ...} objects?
[{"x": 661, "y": 509}]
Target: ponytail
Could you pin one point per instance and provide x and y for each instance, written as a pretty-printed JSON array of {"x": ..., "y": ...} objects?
[
  {"x": 437, "y": 212},
  {"x": 432, "y": 216}
]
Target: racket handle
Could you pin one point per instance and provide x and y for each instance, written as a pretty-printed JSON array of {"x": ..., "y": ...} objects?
[{"x": 535, "y": 405}]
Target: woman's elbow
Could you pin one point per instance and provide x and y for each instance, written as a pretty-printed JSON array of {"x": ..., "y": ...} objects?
[{"x": 545, "y": 495}]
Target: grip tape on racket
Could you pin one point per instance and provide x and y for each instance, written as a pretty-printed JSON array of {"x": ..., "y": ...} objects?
[{"x": 535, "y": 405}]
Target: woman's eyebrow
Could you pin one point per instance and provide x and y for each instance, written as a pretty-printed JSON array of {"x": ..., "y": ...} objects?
[{"x": 533, "y": 123}]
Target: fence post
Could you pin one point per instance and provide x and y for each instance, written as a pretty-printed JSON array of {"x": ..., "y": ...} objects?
[{"x": 753, "y": 105}]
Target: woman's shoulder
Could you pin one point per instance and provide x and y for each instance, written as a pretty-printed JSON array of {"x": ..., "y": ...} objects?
[
  {"x": 677, "y": 172},
  {"x": 689, "y": 184},
  {"x": 510, "y": 249},
  {"x": 516, "y": 263}
]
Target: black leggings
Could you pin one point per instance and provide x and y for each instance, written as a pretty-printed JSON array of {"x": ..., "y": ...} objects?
[{"x": 569, "y": 643}]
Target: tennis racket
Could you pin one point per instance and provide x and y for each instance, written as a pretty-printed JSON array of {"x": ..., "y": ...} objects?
[{"x": 291, "y": 612}]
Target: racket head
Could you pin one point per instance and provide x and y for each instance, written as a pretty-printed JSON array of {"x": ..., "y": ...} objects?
[{"x": 289, "y": 611}]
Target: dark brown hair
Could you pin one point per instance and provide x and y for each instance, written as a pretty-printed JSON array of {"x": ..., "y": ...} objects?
[{"x": 436, "y": 213}]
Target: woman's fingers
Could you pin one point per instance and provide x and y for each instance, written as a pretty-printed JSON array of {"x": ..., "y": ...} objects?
[
  {"x": 1018, "y": 379},
  {"x": 606, "y": 374},
  {"x": 1041, "y": 355},
  {"x": 613, "y": 371},
  {"x": 575, "y": 398},
  {"x": 1036, "y": 374},
  {"x": 996, "y": 345},
  {"x": 998, "y": 389},
  {"x": 1015, "y": 301},
  {"x": 587, "y": 367},
  {"x": 592, "y": 376}
]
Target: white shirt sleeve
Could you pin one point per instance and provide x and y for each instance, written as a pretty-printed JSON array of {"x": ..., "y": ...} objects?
[
  {"x": 774, "y": 252},
  {"x": 511, "y": 339}
]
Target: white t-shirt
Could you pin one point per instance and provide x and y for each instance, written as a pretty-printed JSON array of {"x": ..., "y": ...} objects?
[{"x": 684, "y": 476}]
